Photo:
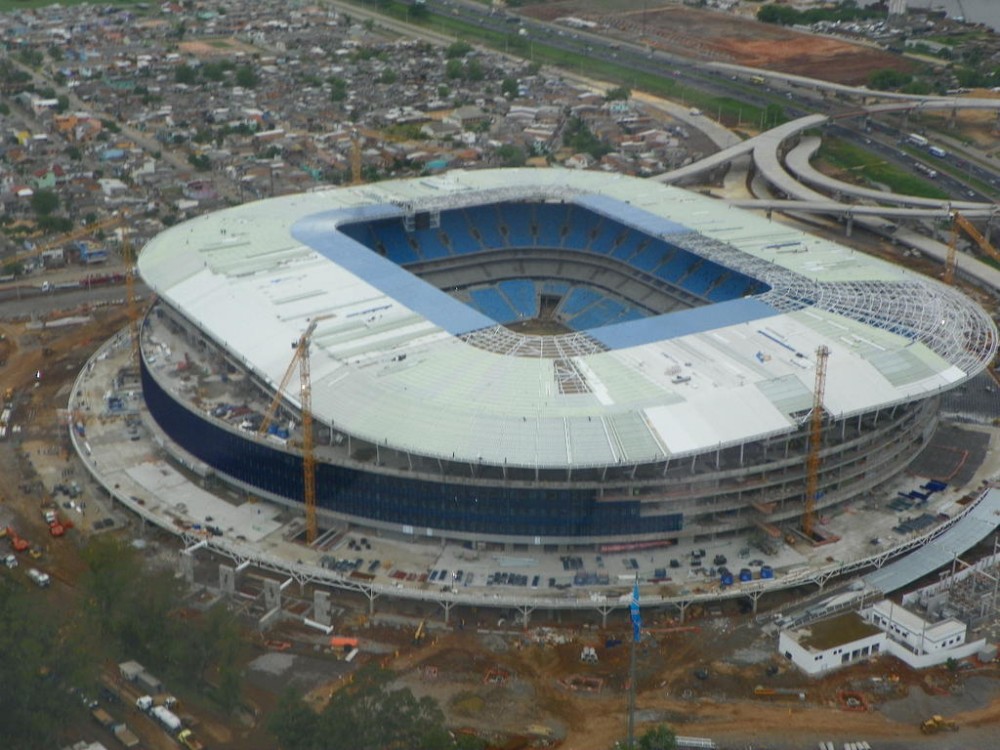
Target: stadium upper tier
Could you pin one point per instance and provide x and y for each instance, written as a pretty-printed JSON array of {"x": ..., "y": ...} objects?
[{"x": 724, "y": 354}]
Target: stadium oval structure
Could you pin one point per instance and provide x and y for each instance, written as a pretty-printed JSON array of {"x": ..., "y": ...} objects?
[{"x": 545, "y": 357}]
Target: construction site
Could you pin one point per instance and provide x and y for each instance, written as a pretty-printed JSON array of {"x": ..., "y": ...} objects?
[
  {"x": 558, "y": 679},
  {"x": 516, "y": 673}
]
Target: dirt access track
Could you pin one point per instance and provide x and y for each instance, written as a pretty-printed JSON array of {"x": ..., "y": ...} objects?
[{"x": 726, "y": 37}]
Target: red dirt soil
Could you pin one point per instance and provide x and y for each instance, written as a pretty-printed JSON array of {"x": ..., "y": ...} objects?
[{"x": 722, "y": 37}]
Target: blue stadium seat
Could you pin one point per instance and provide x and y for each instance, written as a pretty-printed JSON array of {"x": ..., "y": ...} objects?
[
  {"x": 489, "y": 302},
  {"x": 578, "y": 225},
  {"x": 608, "y": 232},
  {"x": 677, "y": 267},
  {"x": 522, "y": 295},
  {"x": 701, "y": 279},
  {"x": 483, "y": 219},
  {"x": 600, "y": 314},
  {"x": 732, "y": 287},
  {"x": 517, "y": 217},
  {"x": 550, "y": 217},
  {"x": 629, "y": 247},
  {"x": 578, "y": 299},
  {"x": 650, "y": 258},
  {"x": 392, "y": 235},
  {"x": 457, "y": 228},
  {"x": 434, "y": 243},
  {"x": 555, "y": 287}
]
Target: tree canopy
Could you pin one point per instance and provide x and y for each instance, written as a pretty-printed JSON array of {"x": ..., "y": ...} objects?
[
  {"x": 367, "y": 714},
  {"x": 45, "y": 650}
]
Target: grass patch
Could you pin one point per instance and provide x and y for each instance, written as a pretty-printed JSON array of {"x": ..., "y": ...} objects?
[
  {"x": 467, "y": 704},
  {"x": 843, "y": 155}
]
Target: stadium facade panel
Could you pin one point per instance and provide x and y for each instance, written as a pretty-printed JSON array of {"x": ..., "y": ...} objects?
[{"x": 546, "y": 357}]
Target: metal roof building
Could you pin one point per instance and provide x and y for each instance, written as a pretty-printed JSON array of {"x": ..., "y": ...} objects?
[{"x": 677, "y": 361}]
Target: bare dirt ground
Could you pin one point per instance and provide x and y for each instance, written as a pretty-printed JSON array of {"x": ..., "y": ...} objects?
[
  {"x": 722, "y": 37},
  {"x": 518, "y": 688}
]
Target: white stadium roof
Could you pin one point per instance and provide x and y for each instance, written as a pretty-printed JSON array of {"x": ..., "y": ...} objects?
[{"x": 252, "y": 277}]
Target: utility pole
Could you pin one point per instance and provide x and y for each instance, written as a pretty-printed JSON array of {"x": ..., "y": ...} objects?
[{"x": 636, "y": 634}]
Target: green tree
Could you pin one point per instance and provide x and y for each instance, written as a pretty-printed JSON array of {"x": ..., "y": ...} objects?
[
  {"x": 887, "y": 78},
  {"x": 510, "y": 155},
  {"x": 338, "y": 88},
  {"x": 580, "y": 138},
  {"x": 508, "y": 87},
  {"x": 45, "y": 651},
  {"x": 457, "y": 49},
  {"x": 474, "y": 70},
  {"x": 365, "y": 715},
  {"x": 618, "y": 94},
  {"x": 388, "y": 76},
  {"x": 660, "y": 737},
  {"x": 44, "y": 202},
  {"x": 294, "y": 724},
  {"x": 453, "y": 69},
  {"x": 185, "y": 74},
  {"x": 246, "y": 77}
]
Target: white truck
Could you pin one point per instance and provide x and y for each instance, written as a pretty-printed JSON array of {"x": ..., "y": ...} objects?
[
  {"x": 41, "y": 579},
  {"x": 167, "y": 718}
]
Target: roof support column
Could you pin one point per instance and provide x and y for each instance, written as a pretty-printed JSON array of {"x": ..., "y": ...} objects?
[
  {"x": 604, "y": 609},
  {"x": 446, "y": 605}
]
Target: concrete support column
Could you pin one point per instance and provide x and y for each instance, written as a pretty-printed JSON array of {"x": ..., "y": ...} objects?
[
  {"x": 321, "y": 607},
  {"x": 227, "y": 579},
  {"x": 682, "y": 606},
  {"x": 525, "y": 611},
  {"x": 272, "y": 594},
  {"x": 849, "y": 226},
  {"x": 446, "y": 605},
  {"x": 186, "y": 566}
]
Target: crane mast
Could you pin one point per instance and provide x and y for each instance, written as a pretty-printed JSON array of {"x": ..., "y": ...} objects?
[
  {"x": 815, "y": 441},
  {"x": 301, "y": 359}
]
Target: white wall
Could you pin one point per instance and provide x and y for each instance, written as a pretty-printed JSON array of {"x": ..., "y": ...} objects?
[{"x": 817, "y": 662}]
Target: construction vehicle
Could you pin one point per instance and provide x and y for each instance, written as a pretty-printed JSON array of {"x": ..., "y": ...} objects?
[
  {"x": 188, "y": 740},
  {"x": 937, "y": 724},
  {"x": 56, "y": 526},
  {"x": 343, "y": 642},
  {"x": 41, "y": 579},
  {"x": 125, "y": 735},
  {"x": 420, "y": 634},
  {"x": 18, "y": 544},
  {"x": 103, "y": 718},
  {"x": 167, "y": 719}
]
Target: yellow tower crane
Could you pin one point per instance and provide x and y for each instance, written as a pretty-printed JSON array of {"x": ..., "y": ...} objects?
[
  {"x": 815, "y": 442},
  {"x": 301, "y": 359},
  {"x": 959, "y": 222},
  {"x": 131, "y": 307}
]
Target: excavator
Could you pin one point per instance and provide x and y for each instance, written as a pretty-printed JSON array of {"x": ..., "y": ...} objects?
[
  {"x": 17, "y": 543},
  {"x": 937, "y": 724}
]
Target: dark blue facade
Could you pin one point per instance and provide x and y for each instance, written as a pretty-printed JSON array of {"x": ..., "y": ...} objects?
[{"x": 446, "y": 507}]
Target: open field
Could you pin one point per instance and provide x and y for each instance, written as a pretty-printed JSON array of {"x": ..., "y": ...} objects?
[{"x": 723, "y": 37}]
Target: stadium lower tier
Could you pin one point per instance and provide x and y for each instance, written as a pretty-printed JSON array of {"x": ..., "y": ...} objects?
[{"x": 732, "y": 490}]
